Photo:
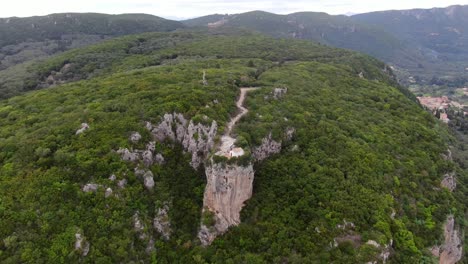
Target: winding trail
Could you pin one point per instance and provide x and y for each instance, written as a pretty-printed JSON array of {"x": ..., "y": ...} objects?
[{"x": 226, "y": 140}]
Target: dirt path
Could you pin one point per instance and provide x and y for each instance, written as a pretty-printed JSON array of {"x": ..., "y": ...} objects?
[
  {"x": 226, "y": 140},
  {"x": 240, "y": 106}
]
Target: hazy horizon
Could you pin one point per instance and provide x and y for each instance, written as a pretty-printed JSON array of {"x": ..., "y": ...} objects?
[{"x": 184, "y": 9}]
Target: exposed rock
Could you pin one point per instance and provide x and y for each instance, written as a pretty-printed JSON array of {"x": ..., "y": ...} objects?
[
  {"x": 451, "y": 251},
  {"x": 218, "y": 23},
  {"x": 449, "y": 181},
  {"x": 135, "y": 137},
  {"x": 81, "y": 245},
  {"x": 206, "y": 235},
  {"x": 205, "y": 82},
  {"x": 385, "y": 255},
  {"x": 447, "y": 155},
  {"x": 148, "y": 126},
  {"x": 150, "y": 247},
  {"x": 138, "y": 226},
  {"x": 147, "y": 158},
  {"x": 334, "y": 243},
  {"x": 57, "y": 78},
  {"x": 161, "y": 222},
  {"x": 386, "y": 252},
  {"x": 151, "y": 146},
  {"x": 139, "y": 172},
  {"x": 435, "y": 251},
  {"x": 112, "y": 177},
  {"x": 196, "y": 139},
  {"x": 90, "y": 187},
  {"x": 346, "y": 225},
  {"x": 290, "y": 133},
  {"x": 122, "y": 183},
  {"x": 127, "y": 155},
  {"x": 108, "y": 192},
  {"x": 148, "y": 179},
  {"x": 83, "y": 128},
  {"x": 266, "y": 149},
  {"x": 159, "y": 159},
  {"x": 373, "y": 243},
  {"x": 279, "y": 92},
  {"x": 228, "y": 187}
]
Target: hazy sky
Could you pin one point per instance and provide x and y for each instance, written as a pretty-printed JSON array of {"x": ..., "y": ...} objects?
[{"x": 193, "y": 8}]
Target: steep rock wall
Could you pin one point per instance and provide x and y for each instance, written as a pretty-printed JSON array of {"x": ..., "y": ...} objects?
[
  {"x": 452, "y": 250},
  {"x": 267, "y": 148},
  {"x": 228, "y": 187},
  {"x": 196, "y": 139}
]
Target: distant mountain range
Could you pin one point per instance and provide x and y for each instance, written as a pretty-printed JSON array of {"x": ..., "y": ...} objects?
[{"x": 421, "y": 44}]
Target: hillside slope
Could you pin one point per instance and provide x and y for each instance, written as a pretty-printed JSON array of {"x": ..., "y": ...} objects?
[
  {"x": 15, "y": 30},
  {"x": 426, "y": 46},
  {"x": 118, "y": 164},
  {"x": 337, "y": 31},
  {"x": 439, "y": 34},
  {"x": 23, "y": 40}
]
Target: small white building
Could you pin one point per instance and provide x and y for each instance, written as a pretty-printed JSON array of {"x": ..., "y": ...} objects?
[{"x": 236, "y": 152}]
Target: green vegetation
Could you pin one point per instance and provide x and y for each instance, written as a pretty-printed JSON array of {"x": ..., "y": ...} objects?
[
  {"x": 427, "y": 47},
  {"x": 24, "y": 41},
  {"x": 337, "y": 31},
  {"x": 15, "y": 30},
  {"x": 362, "y": 149}
]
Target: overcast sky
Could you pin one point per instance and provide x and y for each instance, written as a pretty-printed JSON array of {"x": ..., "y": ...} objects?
[{"x": 179, "y": 9}]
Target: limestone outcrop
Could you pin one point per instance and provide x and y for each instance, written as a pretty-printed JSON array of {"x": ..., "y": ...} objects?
[
  {"x": 81, "y": 245},
  {"x": 196, "y": 139},
  {"x": 148, "y": 180},
  {"x": 452, "y": 250},
  {"x": 135, "y": 137},
  {"x": 147, "y": 156},
  {"x": 279, "y": 92},
  {"x": 228, "y": 187},
  {"x": 266, "y": 149},
  {"x": 138, "y": 226},
  {"x": 449, "y": 181},
  {"x": 161, "y": 222},
  {"x": 84, "y": 127},
  {"x": 90, "y": 187}
]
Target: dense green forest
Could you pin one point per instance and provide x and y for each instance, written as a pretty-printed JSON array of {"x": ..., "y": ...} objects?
[
  {"x": 364, "y": 164},
  {"x": 427, "y": 47},
  {"x": 26, "y": 40}
]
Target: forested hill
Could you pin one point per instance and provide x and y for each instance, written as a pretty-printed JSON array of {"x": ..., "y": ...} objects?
[
  {"x": 26, "y": 40},
  {"x": 427, "y": 46},
  {"x": 15, "y": 30},
  {"x": 439, "y": 34},
  {"x": 337, "y": 31},
  {"x": 100, "y": 168}
]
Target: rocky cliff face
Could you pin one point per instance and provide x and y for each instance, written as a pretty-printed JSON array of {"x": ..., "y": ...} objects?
[
  {"x": 228, "y": 187},
  {"x": 452, "y": 250},
  {"x": 161, "y": 222},
  {"x": 267, "y": 148},
  {"x": 449, "y": 181},
  {"x": 196, "y": 139}
]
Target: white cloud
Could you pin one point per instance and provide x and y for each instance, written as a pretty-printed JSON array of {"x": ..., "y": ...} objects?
[{"x": 187, "y": 8}]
